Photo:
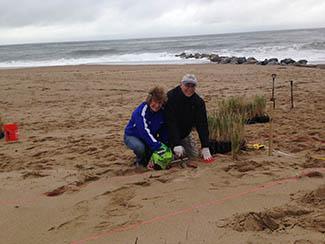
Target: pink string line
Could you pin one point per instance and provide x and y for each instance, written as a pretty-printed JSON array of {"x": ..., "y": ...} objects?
[{"x": 204, "y": 205}]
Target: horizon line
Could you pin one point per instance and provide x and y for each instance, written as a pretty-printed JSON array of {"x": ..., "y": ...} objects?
[{"x": 157, "y": 37}]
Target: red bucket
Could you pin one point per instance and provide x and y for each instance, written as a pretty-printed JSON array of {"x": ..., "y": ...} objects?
[{"x": 11, "y": 132}]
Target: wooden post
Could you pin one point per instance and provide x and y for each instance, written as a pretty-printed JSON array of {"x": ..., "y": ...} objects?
[
  {"x": 271, "y": 131},
  {"x": 291, "y": 85},
  {"x": 273, "y": 96}
]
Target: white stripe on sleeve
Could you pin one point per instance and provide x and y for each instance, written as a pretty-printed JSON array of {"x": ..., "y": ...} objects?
[{"x": 143, "y": 112}]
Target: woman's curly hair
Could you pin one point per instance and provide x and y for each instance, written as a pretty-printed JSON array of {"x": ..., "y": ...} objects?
[{"x": 158, "y": 94}]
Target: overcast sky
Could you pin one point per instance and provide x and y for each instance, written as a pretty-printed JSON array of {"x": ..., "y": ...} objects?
[{"x": 25, "y": 21}]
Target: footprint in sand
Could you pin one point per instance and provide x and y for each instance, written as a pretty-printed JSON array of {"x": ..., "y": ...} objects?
[{"x": 118, "y": 209}]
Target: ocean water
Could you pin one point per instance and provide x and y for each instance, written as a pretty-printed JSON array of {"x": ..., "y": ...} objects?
[{"x": 306, "y": 44}]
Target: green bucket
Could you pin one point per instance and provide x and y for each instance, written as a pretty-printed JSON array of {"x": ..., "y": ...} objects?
[{"x": 162, "y": 157}]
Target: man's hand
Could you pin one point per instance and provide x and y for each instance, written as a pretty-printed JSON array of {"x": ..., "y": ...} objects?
[
  {"x": 179, "y": 151},
  {"x": 206, "y": 154}
]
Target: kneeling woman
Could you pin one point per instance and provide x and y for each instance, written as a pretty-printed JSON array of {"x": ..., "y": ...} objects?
[{"x": 146, "y": 131}]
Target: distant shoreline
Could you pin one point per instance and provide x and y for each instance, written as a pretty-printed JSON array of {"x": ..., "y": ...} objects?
[{"x": 319, "y": 66}]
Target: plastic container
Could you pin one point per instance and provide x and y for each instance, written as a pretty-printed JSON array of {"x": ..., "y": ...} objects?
[{"x": 11, "y": 132}]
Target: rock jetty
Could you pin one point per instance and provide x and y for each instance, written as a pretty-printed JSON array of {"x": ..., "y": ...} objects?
[{"x": 215, "y": 58}]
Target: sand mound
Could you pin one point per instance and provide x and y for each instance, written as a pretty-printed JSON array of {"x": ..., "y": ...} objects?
[
  {"x": 316, "y": 198},
  {"x": 303, "y": 242},
  {"x": 314, "y": 173},
  {"x": 243, "y": 166},
  {"x": 312, "y": 162},
  {"x": 33, "y": 174},
  {"x": 276, "y": 219},
  {"x": 254, "y": 222},
  {"x": 309, "y": 216},
  {"x": 73, "y": 186}
]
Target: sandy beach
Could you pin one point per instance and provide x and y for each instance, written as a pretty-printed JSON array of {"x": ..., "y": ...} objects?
[{"x": 70, "y": 178}]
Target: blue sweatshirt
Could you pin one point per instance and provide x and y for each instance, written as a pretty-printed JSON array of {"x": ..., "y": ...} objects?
[{"x": 147, "y": 126}]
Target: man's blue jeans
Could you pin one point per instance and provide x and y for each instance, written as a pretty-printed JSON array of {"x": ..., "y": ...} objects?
[{"x": 142, "y": 152}]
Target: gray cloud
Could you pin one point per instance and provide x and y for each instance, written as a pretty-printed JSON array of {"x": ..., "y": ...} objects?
[
  {"x": 60, "y": 20},
  {"x": 19, "y": 13}
]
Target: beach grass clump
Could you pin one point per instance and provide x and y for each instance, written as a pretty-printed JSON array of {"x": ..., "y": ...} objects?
[
  {"x": 247, "y": 108},
  {"x": 226, "y": 123},
  {"x": 212, "y": 126},
  {"x": 259, "y": 103},
  {"x": 237, "y": 133},
  {"x": 219, "y": 127},
  {"x": 227, "y": 128},
  {"x": 233, "y": 105}
]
